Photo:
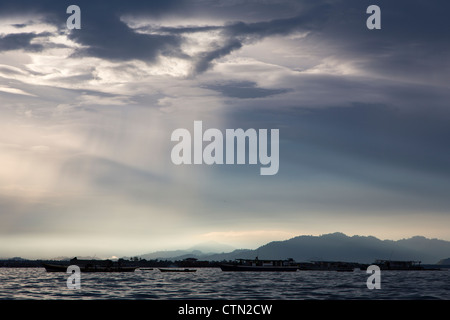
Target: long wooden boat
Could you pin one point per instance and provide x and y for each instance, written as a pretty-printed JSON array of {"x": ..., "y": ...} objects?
[
  {"x": 177, "y": 270},
  {"x": 256, "y": 265},
  {"x": 339, "y": 266},
  {"x": 88, "y": 268},
  {"x": 398, "y": 265}
]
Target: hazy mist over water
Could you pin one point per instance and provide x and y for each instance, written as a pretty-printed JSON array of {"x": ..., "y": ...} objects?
[{"x": 212, "y": 283}]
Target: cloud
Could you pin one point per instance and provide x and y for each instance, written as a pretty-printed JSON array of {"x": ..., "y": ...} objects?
[
  {"x": 244, "y": 90},
  {"x": 110, "y": 38},
  {"x": 247, "y": 238},
  {"x": 22, "y": 41},
  {"x": 205, "y": 60},
  {"x": 15, "y": 91},
  {"x": 105, "y": 35},
  {"x": 87, "y": 116}
]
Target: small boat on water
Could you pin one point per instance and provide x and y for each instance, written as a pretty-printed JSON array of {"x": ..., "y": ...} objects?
[
  {"x": 257, "y": 265},
  {"x": 177, "y": 270}
]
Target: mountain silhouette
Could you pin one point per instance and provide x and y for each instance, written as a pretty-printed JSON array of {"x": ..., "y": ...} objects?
[
  {"x": 334, "y": 246},
  {"x": 197, "y": 251},
  {"x": 444, "y": 262},
  {"x": 364, "y": 249}
]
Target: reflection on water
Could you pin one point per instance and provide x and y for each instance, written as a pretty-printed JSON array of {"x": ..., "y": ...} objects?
[{"x": 212, "y": 283}]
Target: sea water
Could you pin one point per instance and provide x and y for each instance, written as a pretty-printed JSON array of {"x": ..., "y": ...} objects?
[{"x": 212, "y": 283}]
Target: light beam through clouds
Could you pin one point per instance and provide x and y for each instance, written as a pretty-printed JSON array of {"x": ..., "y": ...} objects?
[{"x": 86, "y": 119}]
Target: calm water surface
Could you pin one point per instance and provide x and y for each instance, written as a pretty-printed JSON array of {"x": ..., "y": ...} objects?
[{"x": 212, "y": 283}]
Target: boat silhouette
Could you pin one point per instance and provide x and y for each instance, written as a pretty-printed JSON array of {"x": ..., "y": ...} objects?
[
  {"x": 90, "y": 266},
  {"x": 339, "y": 266},
  {"x": 398, "y": 265},
  {"x": 177, "y": 270},
  {"x": 260, "y": 265}
]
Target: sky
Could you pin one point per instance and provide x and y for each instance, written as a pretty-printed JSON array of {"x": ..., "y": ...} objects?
[{"x": 86, "y": 117}]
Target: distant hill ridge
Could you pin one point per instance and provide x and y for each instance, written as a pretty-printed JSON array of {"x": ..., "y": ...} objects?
[
  {"x": 332, "y": 246},
  {"x": 445, "y": 262}
]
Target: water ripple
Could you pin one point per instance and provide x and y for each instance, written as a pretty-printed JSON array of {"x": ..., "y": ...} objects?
[{"x": 212, "y": 283}]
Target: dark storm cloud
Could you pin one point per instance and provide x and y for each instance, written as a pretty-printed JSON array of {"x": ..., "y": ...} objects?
[
  {"x": 244, "y": 90},
  {"x": 410, "y": 40},
  {"x": 110, "y": 38},
  {"x": 167, "y": 41},
  {"x": 255, "y": 29},
  {"x": 204, "y": 60},
  {"x": 181, "y": 30},
  {"x": 104, "y": 35},
  {"x": 19, "y": 25},
  {"x": 412, "y": 44},
  {"x": 56, "y": 10},
  {"x": 21, "y": 41},
  {"x": 240, "y": 33},
  {"x": 270, "y": 28}
]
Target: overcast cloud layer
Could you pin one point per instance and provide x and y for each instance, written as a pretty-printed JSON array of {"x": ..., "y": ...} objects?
[{"x": 86, "y": 119}]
